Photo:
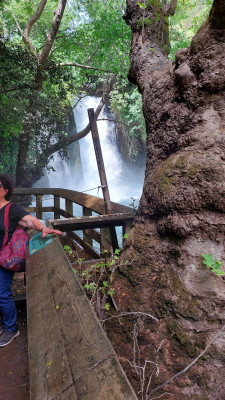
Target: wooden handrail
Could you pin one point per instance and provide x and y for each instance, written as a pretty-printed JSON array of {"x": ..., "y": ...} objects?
[
  {"x": 120, "y": 215},
  {"x": 93, "y": 203}
]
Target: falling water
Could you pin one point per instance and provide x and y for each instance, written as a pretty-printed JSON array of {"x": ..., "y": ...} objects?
[{"x": 125, "y": 182}]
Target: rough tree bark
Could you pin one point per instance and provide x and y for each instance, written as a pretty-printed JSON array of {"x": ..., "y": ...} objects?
[{"x": 181, "y": 212}]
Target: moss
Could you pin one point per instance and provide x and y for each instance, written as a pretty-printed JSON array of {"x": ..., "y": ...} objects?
[
  {"x": 181, "y": 337},
  {"x": 173, "y": 168},
  {"x": 202, "y": 379},
  {"x": 181, "y": 302}
]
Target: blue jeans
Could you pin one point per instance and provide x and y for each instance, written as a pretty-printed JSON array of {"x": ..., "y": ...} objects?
[{"x": 8, "y": 309}]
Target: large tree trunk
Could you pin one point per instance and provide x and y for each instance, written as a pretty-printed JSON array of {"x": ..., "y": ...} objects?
[{"x": 181, "y": 210}]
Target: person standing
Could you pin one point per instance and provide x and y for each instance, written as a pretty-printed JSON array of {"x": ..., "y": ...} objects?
[{"x": 17, "y": 216}]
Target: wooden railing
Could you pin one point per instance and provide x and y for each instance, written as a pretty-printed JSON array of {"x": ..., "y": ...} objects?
[
  {"x": 70, "y": 356},
  {"x": 88, "y": 223}
]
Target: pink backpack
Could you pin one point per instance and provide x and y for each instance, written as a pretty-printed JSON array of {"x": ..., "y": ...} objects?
[{"x": 12, "y": 255}]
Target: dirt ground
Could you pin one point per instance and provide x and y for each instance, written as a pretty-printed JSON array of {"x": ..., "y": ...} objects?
[{"x": 14, "y": 370}]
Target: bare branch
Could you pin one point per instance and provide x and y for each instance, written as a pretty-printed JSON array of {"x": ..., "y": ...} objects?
[
  {"x": 169, "y": 9},
  {"x": 94, "y": 52},
  {"x": 58, "y": 14},
  {"x": 162, "y": 395},
  {"x": 77, "y": 136},
  {"x": 14, "y": 89},
  {"x": 29, "y": 25},
  {"x": 17, "y": 24},
  {"x": 74, "y": 64},
  {"x": 131, "y": 313},
  {"x": 190, "y": 365}
]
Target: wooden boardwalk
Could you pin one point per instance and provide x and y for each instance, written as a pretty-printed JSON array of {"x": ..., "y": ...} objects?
[
  {"x": 70, "y": 357},
  {"x": 69, "y": 354}
]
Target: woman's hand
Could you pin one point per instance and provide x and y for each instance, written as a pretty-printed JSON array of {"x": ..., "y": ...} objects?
[
  {"x": 45, "y": 231},
  {"x": 31, "y": 222}
]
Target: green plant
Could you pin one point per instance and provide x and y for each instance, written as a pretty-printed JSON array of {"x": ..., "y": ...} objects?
[
  {"x": 132, "y": 204},
  {"x": 215, "y": 266},
  {"x": 68, "y": 250}
]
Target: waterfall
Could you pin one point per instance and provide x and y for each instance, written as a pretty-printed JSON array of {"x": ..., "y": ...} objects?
[{"x": 125, "y": 182}]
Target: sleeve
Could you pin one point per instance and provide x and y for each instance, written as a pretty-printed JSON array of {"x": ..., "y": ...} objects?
[{"x": 16, "y": 213}]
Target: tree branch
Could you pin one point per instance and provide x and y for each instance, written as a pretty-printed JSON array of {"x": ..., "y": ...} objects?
[
  {"x": 190, "y": 365},
  {"x": 29, "y": 25},
  {"x": 14, "y": 89},
  {"x": 58, "y": 14},
  {"x": 17, "y": 24},
  {"x": 217, "y": 14},
  {"x": 74, "y": 64},
  {"x": 77, "y": 136},
  {"x": 169, "y": 9}
]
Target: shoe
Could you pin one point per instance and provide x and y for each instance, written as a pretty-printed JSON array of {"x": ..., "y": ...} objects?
[
  {"x": 1, "y": 328},
  {"x": 7, "y": 337}
]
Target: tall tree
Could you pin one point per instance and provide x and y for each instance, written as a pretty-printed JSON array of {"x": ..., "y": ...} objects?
[{"x": 181, "y": 212}]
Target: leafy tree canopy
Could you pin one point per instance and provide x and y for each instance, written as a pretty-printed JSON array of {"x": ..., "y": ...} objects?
[{"x": 92, "y": 43}]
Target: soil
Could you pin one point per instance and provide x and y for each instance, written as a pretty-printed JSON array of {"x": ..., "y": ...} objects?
[{"x": 14, "y": 368}]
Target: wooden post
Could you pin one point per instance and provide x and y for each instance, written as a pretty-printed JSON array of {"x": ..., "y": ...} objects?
[
  {"x": 39, "y": 206},
  {"x": 99, "y": 158},
  {"x": 102, "y": 174},
  {"x": 69, "y": 207},
  {"x": 87, "y": 212},
  {"x": 56, "y": 207}
]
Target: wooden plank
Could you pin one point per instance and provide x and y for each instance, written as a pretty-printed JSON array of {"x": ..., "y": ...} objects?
[
  {"x": 99, "y": 238},
  {"x": 98, "y": 378},
  {"x": 49, "y": 369},
  {"x": 69, "y": 207},
  {"x": 65, "y": 213},
  {"x": 87, "y": 238},
  {"x": 87, "y": 248},
  {"x": 43, "y": 209},
  {"x": 113, "y": 237},
  {"x": 69, "y": 353},
  {"x": 56, "y": 207},
  {"x": 39, "y": 206},
  {"x": 93, "y": 203},
  {"x": 99, "y": 159},
  {"x": 72, "y": 224}
]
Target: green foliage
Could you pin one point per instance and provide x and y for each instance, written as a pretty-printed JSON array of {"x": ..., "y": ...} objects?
[
  {"x": 215, "y": 266},
  {"x": 189, "y": 16},
  {"x": 68, "y": 250},
  {"x": 96, "y": 279},
  {"x": 92, "y": 33}
]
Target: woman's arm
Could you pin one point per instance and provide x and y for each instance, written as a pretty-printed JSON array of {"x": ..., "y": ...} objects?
[{"x": 31, "y": 222}]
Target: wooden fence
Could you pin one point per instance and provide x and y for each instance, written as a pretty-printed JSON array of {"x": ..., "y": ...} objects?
[{"x": 92, "y": 216}]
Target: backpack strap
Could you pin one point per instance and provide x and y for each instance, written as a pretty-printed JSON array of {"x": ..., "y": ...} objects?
[{"x": 6, "y": 224}]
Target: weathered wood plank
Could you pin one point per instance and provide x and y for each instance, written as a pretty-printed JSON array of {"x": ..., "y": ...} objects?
[
  {"x": 43, "y": 209},
  {"x": 99, "y": 159},
  {"x": 104, "y": 242},
  {"x": 56, "y": 207},
  {"x": 87, "y": 248},
  {"x": 70, "y": 355},
  {"x": 39, "y": 206},
  {"x": 72, "y": 224},
  {"x": 93, "y": 203},
  {"x": 86, "y": 237},
  {"x": 50, "y": 371}
]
